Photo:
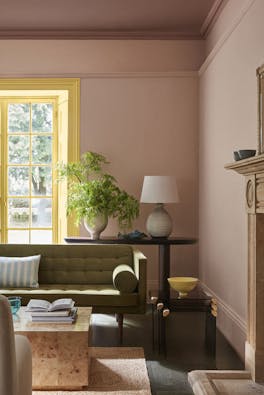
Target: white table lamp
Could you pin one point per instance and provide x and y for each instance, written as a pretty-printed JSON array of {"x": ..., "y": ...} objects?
[{"x": 159, "y": 190}]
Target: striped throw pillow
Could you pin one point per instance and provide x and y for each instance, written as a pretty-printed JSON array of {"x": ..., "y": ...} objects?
[{"x": 19, "y": 272}]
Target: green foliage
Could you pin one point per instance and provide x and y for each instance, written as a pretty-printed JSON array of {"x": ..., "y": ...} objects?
[
  {"x": 18, "y": 117},
  {"x": 42, "y": 117},
  {"x": 41, "y": 149},
  {"x": 92, "y": 191}
]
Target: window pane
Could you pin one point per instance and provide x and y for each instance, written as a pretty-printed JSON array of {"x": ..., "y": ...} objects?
[
  {"x": 18, "y": 236},
  {"x": 41, "y": 149},
  {"x": 18, "y": 117},
  {"x": 41, "y": 236},
  {"x": 41, "y": 181},
  {"x": 18, "y": 149},
  {"x": 42, "y": 117},
  {"x": 18, "y": 213},
  {"x": 18, "y": 181},
  {"x": 41, "y": 213}
]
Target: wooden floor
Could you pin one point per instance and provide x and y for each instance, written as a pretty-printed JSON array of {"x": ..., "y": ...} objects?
[{"x": 185, "y": 348}]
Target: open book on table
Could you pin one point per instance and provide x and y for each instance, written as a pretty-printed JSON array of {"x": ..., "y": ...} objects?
[{"x": 41, "y": 305}]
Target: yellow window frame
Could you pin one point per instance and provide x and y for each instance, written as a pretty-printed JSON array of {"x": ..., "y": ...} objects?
[{"x": 67, "y": 92}]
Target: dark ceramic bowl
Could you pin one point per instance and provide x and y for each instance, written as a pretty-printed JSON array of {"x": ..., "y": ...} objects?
[
  {"x": 236, "y": 155},
  {"x": 246, "y": 153}
]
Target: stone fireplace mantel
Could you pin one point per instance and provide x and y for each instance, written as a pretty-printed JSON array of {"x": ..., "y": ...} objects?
[
  {"x": 253, "y": 165},
  {"x": 250, "y": 381}
]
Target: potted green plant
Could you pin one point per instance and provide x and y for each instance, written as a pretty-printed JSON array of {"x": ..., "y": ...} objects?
[{"x": 93, "y": 195}]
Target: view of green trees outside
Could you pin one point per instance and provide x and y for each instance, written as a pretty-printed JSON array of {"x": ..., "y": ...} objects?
[{"x": 29, "y": 172}]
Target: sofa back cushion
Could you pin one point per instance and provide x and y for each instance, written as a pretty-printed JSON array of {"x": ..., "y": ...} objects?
[{"x": 74, "y": 264}]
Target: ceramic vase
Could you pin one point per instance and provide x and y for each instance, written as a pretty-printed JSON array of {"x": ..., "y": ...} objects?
[{"x": 97, "y": 226}]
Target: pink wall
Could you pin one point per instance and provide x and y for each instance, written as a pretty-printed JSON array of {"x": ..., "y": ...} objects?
[
  {"x": 228, "y": 121},
  {"x": 139, "y": 107},
  {"x": 58, "y": 57},
  {"x": 144, "y": 126}
]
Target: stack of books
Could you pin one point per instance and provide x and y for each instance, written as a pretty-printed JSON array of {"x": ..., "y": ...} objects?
[{"x": 60, "y": 311}]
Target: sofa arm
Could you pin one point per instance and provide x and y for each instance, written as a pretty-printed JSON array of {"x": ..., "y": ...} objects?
[{"x": 140, "y": 269}]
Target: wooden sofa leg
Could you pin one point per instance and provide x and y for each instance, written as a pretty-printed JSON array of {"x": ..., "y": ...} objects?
[{"x": 120, "y": 319}]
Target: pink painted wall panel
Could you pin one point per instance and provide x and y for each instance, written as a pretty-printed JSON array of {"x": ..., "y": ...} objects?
[
  {"x": 228, "y": 121},
  {"x": 148, "y": 126},
  {"x": 60, "y": 57}
]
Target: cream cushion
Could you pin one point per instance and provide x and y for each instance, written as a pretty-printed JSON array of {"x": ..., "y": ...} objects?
[
  {"x": 19, "y": 272},
  {"x": 124, "y": 279}
]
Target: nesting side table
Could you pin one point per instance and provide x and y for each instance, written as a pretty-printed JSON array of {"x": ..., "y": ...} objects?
[{"x": 196, "y": 301}]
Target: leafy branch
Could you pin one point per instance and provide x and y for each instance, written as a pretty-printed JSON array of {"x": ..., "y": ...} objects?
[{"x": 91, "y": 191}]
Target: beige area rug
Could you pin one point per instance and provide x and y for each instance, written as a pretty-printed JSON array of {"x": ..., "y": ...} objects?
[{"x": 113, "y": 371}]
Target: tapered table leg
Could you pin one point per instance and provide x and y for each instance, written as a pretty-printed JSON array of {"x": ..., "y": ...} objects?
[{"x": 164, "y": 273}]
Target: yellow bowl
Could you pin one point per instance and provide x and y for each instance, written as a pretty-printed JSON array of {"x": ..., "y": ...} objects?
[{"x": 183, "y": 285}]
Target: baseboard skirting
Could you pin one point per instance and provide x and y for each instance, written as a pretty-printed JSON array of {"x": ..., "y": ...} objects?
[{"x": 230, "y": 324}]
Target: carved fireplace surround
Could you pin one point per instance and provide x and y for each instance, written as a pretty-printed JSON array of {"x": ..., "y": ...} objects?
[
  {"x": 250, "y": 381},
  {"x": 253, "y": 170}
]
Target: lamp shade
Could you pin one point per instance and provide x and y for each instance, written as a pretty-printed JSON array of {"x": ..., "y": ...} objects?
[{"x": 159, "y": 189}]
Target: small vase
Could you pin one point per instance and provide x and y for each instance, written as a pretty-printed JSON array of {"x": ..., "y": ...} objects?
[{"x": 98, "y": 225}]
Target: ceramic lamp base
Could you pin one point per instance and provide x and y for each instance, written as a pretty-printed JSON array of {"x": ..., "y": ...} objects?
[{"x": 159, "y": 223}]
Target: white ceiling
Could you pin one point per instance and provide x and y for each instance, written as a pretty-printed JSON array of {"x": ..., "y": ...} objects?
[{"x": 106, "y": 18}]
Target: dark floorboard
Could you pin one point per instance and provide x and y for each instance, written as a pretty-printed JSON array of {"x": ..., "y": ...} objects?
[{"x": 185, "y": 348}]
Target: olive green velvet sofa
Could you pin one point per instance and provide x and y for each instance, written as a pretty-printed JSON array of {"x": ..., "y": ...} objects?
[{"x": 84, "y": 273}]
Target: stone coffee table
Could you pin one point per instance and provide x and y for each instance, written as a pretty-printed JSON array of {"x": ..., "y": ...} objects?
[{"x": 59, "y": 351}]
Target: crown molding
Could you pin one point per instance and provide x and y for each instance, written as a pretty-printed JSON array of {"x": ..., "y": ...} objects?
[
  {"x": 36, "y": 34},
  {"x": 121, "y": 74},
  {"x": 212, "y": 17},
  {"x": 236, "y": 21}
]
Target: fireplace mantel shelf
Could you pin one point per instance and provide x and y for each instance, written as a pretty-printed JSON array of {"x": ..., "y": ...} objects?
[{"x": 248, "y": 166}]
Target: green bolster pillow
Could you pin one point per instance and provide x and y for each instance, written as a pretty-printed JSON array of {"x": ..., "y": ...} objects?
[{"x": 124, "y": 279}]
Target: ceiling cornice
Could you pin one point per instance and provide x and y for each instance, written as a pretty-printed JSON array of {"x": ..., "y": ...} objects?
[
  {"x": 212, "y": 17},
  {"x": 24, "y": 34}
]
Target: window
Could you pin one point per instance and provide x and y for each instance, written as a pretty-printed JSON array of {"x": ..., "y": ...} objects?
[
  {"x": 29, "y": 155},
  {"x": 37, "y": 129}
]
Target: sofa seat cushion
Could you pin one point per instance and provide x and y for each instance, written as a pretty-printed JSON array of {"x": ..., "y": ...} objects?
[{"x": 83, "y": 295}]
